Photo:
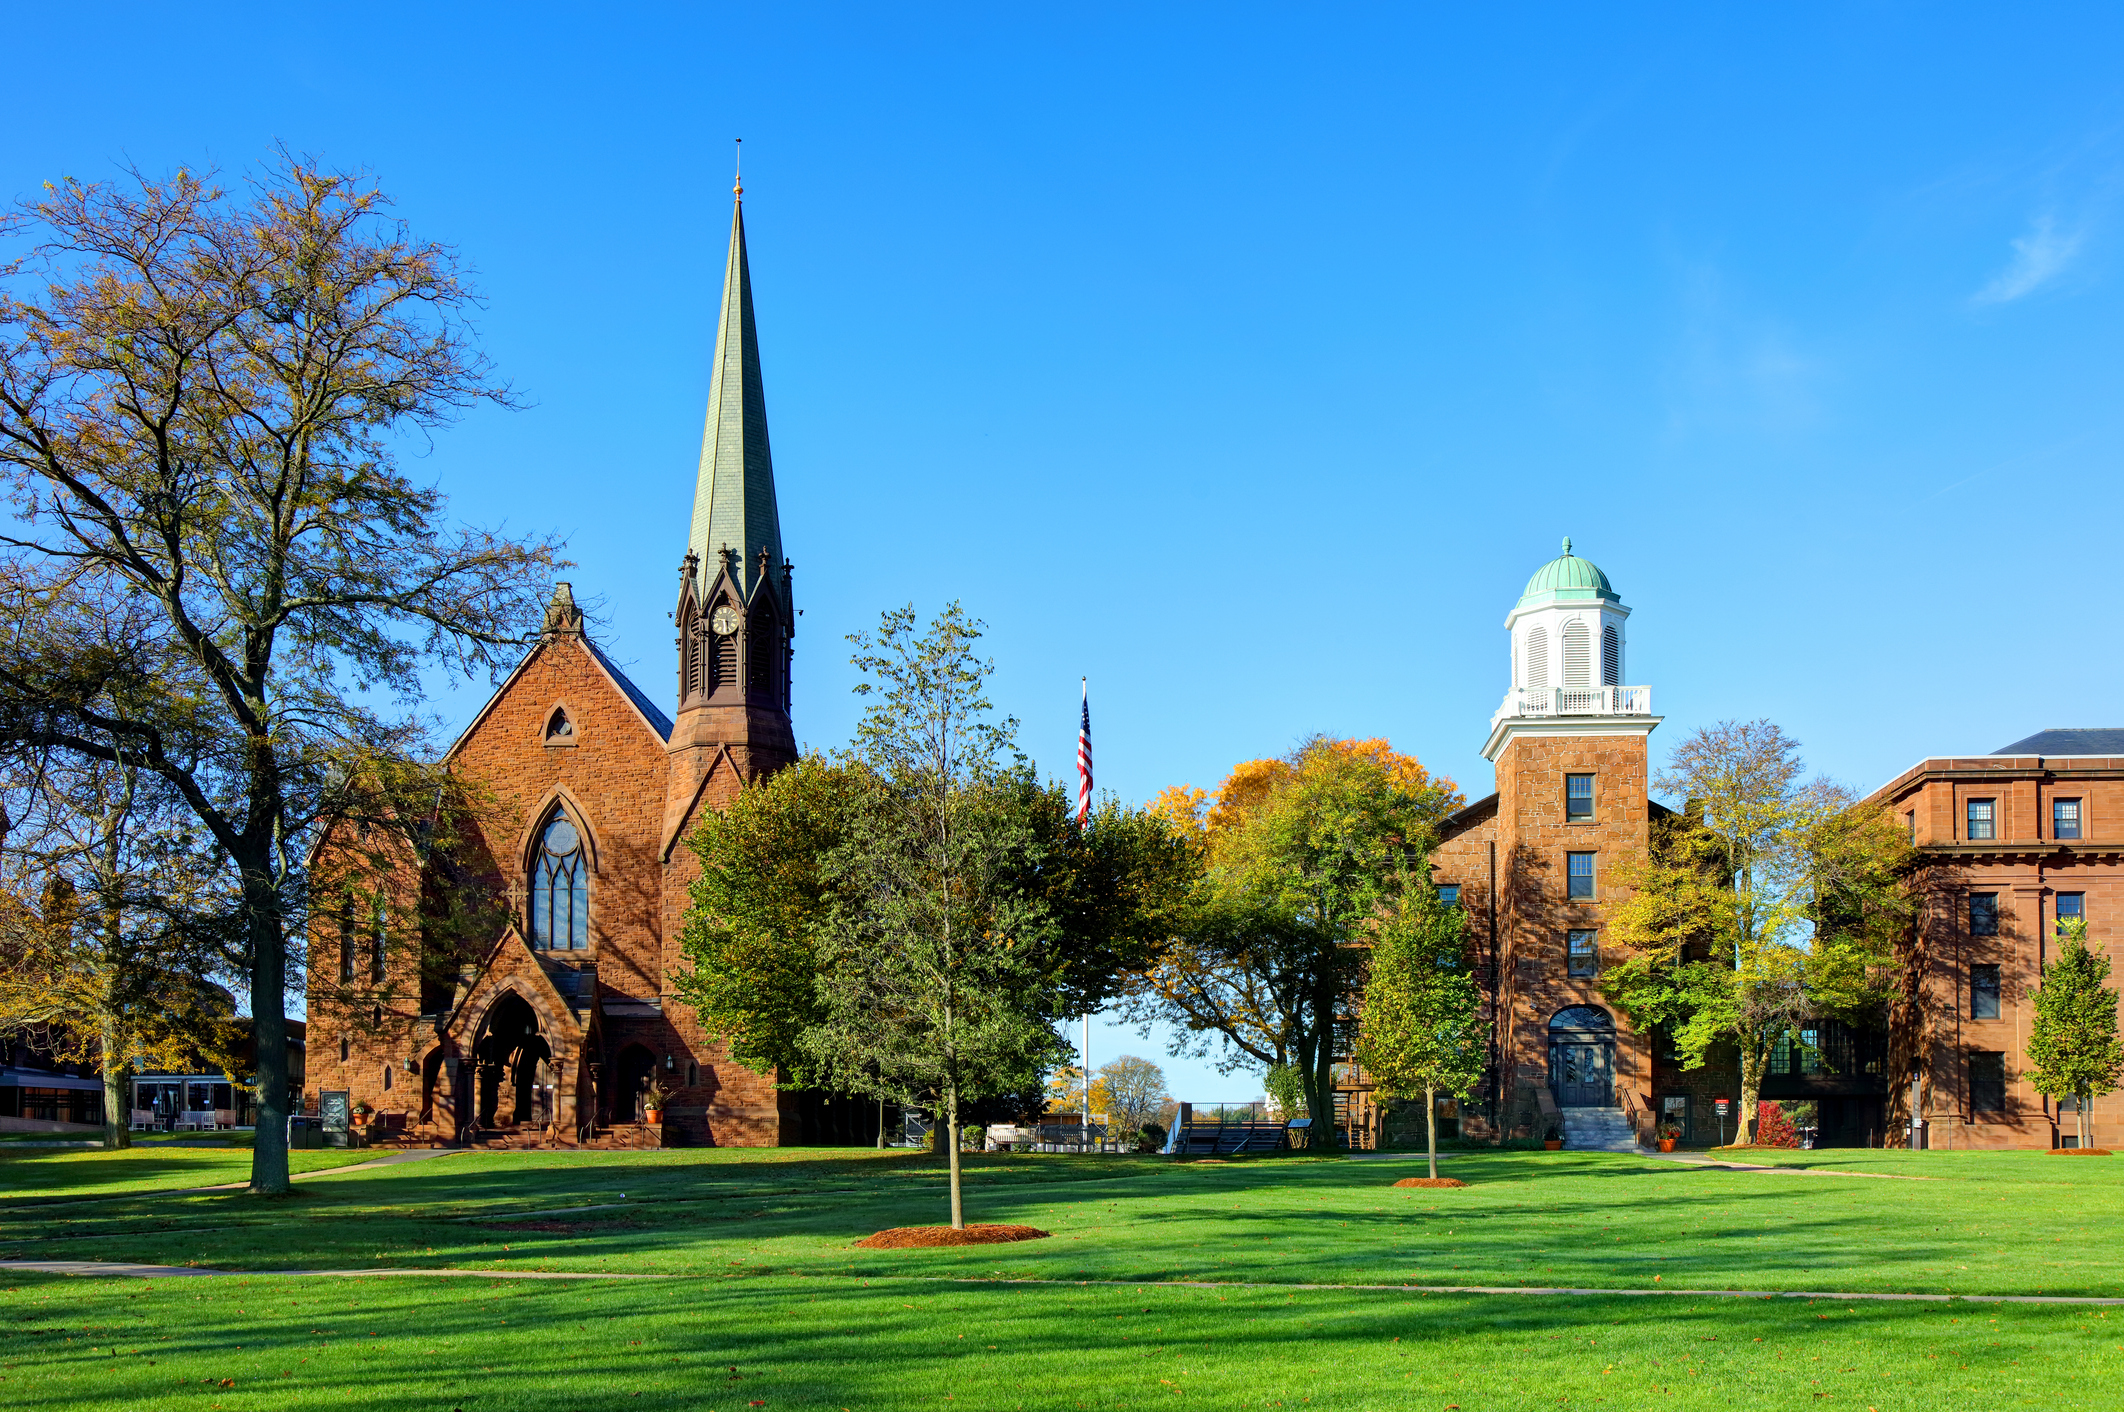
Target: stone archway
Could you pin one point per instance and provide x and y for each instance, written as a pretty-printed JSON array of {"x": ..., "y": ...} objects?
[
  {"x": 1582, "y": 1057},
  {"x": 510, "y": 1058}
]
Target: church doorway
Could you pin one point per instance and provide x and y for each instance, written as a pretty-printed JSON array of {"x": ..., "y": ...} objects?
[
  {"x": 630, "y": 1074},
  {"x": 512, "y": 1060},
  {"x": 1582, "y": 1057}
]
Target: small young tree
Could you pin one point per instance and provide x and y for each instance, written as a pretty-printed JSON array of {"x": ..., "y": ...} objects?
[
  {"x": 1422, "y": 1030},
  {"x": 2073, "y": 1047},
  {"x": 1134, "y": 1090}
]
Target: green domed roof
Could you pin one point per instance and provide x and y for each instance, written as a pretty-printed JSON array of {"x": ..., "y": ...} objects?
[{"x": 1567, "y": 578}]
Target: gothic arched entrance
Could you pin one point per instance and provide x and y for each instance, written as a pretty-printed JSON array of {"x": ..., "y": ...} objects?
[
  {"x": 512, "y": 1060},
  {"x": 1582, "y": 1057}
]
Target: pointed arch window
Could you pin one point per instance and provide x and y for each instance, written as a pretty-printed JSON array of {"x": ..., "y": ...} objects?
[
  {"x": 560, "y": 888},
  {"x": 1610, "y": 656},
  {"x": 1578, "y": 655},
  {"x": 1537, "y": 659}
]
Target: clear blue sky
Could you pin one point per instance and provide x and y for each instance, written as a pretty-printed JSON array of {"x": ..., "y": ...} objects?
[{"x": 1248, "y": 359}]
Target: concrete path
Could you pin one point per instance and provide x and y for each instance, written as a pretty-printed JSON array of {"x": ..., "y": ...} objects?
[{"x": 119, "y": 1269}]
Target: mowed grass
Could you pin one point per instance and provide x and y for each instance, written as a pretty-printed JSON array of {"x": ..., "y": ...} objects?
[
  {"x": 258, "y": 1344},
  {"x": 59, "y": 1174},
  {"x": 762, "y": 1276}
]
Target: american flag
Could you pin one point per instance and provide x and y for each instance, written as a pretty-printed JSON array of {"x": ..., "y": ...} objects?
[{"x": 1084, "y": 768}]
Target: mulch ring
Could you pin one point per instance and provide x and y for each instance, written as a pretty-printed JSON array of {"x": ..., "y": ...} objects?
[
  {"x": 2079, "y": 1152},
  {"x": 1429, "y": 1182},
  {"x": 914, "y": 1237}
]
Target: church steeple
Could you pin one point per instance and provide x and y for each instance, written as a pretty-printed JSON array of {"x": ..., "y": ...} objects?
[
  {"x": 734, "y": 615},
  {"x": 733, "y": 497}
]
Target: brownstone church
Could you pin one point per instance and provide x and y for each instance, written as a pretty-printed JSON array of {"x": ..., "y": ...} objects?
[{"x": 555, "y": 1033}]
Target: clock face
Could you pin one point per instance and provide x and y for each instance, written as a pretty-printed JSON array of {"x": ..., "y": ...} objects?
[{"x": 725, "y": 620}]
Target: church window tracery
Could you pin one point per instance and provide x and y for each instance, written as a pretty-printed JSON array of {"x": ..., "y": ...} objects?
[{"x": 560, "y": 888}]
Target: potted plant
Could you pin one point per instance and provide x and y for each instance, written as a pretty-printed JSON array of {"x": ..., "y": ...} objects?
[
  {"x": 653, "y": 1096},
  {"x": 363, "y": 1114},
  {"x": 1552, "y": 1138},
  {"x": 1669, "y": 1134}
]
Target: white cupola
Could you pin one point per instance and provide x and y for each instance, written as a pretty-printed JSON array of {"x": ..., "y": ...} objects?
[{"x": 1569, "y": 654}]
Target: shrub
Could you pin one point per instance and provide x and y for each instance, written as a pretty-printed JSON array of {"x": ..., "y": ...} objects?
[{"x": 1773, "y": 1128}]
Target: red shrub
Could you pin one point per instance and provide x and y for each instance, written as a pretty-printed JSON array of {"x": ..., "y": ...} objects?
[{"x": 1773, "y": 1128}]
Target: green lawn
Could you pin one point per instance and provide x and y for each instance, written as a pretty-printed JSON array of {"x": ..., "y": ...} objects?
[
  {"x": 40, "y": 1175},
  {"x": 764, "y": 1278}
]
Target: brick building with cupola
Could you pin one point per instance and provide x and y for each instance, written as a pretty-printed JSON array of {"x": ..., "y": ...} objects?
[
  {"x": 567, "y": 1014},
  {"x": 1530, "y": 865}
]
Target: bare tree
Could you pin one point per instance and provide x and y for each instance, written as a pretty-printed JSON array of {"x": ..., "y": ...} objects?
[{"x": 218, "y": 574}]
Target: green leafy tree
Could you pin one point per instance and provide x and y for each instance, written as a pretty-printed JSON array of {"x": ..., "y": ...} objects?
[
  {"x": 1300, "y": 858},
  {"x": 1134, "y": 1093},
  {"x": 2073, "y": 1046},
  {"x": 216, "y": 571},
  {"x": 910, "y": 920},
  {"x": 1421, "y": 1030},
  {"x": 1766, "y": 902}
]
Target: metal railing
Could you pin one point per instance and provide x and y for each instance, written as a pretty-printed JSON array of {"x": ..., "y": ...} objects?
[{"x": 1576, "y": 701}]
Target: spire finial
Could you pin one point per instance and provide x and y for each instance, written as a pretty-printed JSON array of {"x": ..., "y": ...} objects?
[
  {"x": 737, "y": 173},
  {"x": 1567, "y": 546}
]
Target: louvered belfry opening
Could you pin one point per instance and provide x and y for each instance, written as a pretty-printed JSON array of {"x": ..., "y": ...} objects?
[
  {"x": 723, "y": 659},
  {"x": 1610, "y": 656},
  {"x": 1538, "y": 659},
  {"x": 1577, "y": 655},
  {"x": 763, "y": 642}
]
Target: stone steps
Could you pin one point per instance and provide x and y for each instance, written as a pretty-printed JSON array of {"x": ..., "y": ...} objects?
[{"x": 1598, "y": 1130}]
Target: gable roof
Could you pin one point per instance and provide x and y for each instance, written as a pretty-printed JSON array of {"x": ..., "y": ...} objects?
[
  {"x": 2071, "y": 741},
  {"x": 655, "y": 720}
]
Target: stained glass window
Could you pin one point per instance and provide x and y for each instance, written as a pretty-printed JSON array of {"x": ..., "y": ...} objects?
[{"x": 560, "y": 889}]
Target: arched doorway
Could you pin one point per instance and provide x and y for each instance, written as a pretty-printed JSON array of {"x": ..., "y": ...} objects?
[
  {"x": 511, "y": 1057},
  {"x": 1582, "y": 1057},
  {"x": 629, "y": 1073}
]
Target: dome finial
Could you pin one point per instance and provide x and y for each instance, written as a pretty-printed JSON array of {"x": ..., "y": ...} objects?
[{"x": 1567, "y": 546}]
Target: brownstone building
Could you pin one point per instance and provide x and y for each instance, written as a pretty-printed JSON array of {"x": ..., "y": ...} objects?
[
  {"x": 2008, "y": 844},
  {"x": 553, "y": 1032},
  {"x": 1529, "y": 864}
]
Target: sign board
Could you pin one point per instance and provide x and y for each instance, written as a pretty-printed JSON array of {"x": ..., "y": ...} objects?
[
  {"x": 333, "y": 1110},
  {"x": 1722, "y": 1104}
]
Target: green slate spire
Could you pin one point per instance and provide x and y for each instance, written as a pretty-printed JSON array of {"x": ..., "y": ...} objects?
[{"x": 733, "y": 502}]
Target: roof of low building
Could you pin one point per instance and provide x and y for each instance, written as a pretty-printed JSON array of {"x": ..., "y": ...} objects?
[
  {"x": 1567, "y": 578},
  {"x": 2080, "y": 740}
]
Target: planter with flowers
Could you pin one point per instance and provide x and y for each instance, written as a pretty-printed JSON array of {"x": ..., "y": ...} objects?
[
  {"x": 654, "y": 1095},
  {"x": 1669, "y": 1134}
]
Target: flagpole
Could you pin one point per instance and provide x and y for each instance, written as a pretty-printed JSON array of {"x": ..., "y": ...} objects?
[{"x": 1084, "y": 796}]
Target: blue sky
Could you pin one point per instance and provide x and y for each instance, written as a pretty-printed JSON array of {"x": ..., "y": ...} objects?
[{"x": 1248, "y": 360}]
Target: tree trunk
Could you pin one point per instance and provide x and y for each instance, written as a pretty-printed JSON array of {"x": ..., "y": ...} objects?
[
  {"x": 2086, "y": 1128},
  {"x": 1320, "y": 1073},
  {"x": 269, "y": 1151},
  {"x": 951, "y": 1142},
  {"x": 117, "y": 1103},
  {"x": 1753, "y": 1057},
  {"x": 1430, "y": 1124},
  {"x": 881, "y": 1125}
]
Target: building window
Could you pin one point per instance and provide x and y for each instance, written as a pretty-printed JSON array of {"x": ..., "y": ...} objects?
[
  {"x": 2064, "y": 818},
  {"x": 1580, "y": 871},
  {"x": 342, "y": 1049},
  {"x": 1983, "y": 992},
  {"x": 1584, "y": 957},
  {"x": 344, "y": 919},
  {"x": 1987, "y": 1082},
  {"x": 1537, "y": 660},
  {"x": 2072, "y": 907},
  {"x": 1980, "y": 818},
  {"x": 1610, "y": 656},
  {"x": 1578, "y": 654},
  {"x": 1578, "y": 798},
  {"x": 1449, "y": 894},
  {"x": 387, "y": 1078},
  {"x": 1983, "y": 914},
  {"x": 1910, "y": 824},
  {"x": 378, "y": 936},
  {"x": 560, "y": 889}
]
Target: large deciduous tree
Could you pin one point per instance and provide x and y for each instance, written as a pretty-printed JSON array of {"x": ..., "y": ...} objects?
[
  {"x": 1421, "y": 1029},
  {"x": 2073, "y": 1048},
  {"x": 1766, "y": 902},
  {"x": 1300, "y": 857},
  {"x": 218, "y": 573}
]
